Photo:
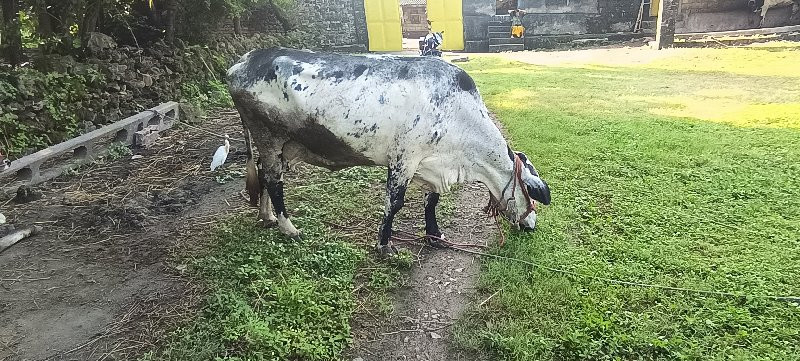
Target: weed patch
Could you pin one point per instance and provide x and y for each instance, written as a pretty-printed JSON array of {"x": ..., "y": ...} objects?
[{"x": 269, "y": 298}]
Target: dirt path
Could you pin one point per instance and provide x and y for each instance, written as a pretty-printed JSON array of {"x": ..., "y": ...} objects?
[
  {"x": 440, "y": 288},
  {"x": 98, "y": 283},
  {"x": 633, "y": 53}
]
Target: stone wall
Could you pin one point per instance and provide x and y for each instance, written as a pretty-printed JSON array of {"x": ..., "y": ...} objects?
[
  {"x": 338, "y": 24},
  {"x": 334, "y": 24},
  {"x": 476, "y": 15},
  {"x": 555, "y": 17},
  {"x": 259, "y": 22},
  {"x": 110, "y": 84},
  {"x": 551, "y": 17},
  {"x": 559, "y": 6},
  {"x": 723, "y": 15}
]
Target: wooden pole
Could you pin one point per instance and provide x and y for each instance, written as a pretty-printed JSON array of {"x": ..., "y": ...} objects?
[{"x": 17, "y": 236}]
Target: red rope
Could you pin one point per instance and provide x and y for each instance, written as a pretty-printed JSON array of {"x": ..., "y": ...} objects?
[{"x": 428, "y": 237}]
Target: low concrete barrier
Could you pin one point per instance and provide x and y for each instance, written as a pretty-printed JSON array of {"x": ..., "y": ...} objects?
[{"x": 138, "y": 130}]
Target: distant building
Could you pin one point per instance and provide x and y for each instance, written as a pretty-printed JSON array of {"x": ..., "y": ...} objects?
[{"x": 414, "y": 17}]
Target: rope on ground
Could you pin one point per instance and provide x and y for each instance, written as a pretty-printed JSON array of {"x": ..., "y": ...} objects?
[
  {"x": 629, "y": 283},
  {"x": 458, "y": 247}
]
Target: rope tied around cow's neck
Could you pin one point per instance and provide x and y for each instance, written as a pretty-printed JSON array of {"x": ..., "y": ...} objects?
[{"x": 492, "y": 210}]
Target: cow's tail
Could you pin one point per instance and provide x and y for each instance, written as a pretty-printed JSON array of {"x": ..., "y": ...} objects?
[{"x": 252, "y": 183}]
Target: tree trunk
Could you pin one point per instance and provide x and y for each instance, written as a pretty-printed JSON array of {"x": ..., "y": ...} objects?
[
  {"x": 45, "y": 28},
  {"x": 89, "y": 23},
  {"x": 63, "y": 18},
  {"x": 237, "y": 25},
  {"x": 56, "y": 12},
  {"x": 169, "y": 26},
  {"x": 12, "y": 42}
]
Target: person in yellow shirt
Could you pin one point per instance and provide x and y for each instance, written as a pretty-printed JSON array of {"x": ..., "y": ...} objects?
[{"x": 517, "y": 30}]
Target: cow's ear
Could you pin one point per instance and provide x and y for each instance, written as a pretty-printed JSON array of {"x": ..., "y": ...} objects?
[{"x": 537, "y": 188}]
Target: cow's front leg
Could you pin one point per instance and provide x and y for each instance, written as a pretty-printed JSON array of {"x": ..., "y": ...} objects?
[
  {"x": 396, "y": 185},
  {"x": 272, "y": 181},
  {"x": 431, "y": 225}
]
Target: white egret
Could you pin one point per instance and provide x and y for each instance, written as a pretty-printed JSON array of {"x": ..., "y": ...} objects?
[
  {"x": 5, "y": 163},
  {"x": 221, "y": 154}
]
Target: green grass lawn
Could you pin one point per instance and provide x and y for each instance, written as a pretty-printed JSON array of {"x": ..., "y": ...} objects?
[{"x": 683, "y": 172}]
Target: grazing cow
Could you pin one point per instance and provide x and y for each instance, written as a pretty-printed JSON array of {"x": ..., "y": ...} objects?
[
  {"x": 767, "y": 4},
  {"x": 420, "y": 117}
]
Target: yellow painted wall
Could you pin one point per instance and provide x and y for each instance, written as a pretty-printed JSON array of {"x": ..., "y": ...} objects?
[
  {"x": 654, "y": 7},
  {"x": 445, "y": 15},
  {"x": 383, "y": 25}
]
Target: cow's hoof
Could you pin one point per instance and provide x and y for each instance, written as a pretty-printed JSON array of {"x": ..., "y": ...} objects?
[
  {"x": 435, "y": 241},
  {"x": 386, "y": 250},
  {"x": 269, "y": 223},
  {"x": 297, "y": 237}
]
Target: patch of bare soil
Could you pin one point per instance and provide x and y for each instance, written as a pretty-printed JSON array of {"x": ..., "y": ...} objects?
[
  {"x": 99, "y": 282},
  {"x": 441, "y": 286}
]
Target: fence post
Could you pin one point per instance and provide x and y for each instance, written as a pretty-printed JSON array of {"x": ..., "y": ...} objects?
[{"x": 665, "y": 30}]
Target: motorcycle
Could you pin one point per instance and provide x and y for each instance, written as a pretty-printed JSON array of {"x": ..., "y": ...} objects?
[{"x": 429, "y": 45}]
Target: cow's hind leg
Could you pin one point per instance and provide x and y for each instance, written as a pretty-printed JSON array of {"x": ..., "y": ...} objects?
[
  {"x": 396, "y": 185},
  {"x": 435, "y": 236},
  {"x": 265, "y": 211},
  {"x": 252, "y": 183},
  {"x": 273, "y": 167}
]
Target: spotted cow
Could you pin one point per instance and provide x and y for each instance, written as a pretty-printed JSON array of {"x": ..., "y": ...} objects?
[{"x": 419, "y": 117}]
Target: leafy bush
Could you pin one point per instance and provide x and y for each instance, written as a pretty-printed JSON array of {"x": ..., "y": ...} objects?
[
  {"x": 49, "y": 103},
  {"x": 205, "y": 95},
  {"x": 39, "y": 108}
]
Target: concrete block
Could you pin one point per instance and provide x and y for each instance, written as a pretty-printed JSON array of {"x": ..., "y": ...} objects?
[
  {"x": 147, "y": 137},
  {"x": 499, "y": 41},
  {"x": 476, "y": 46},
  {"x": 556, "y": 24},
  {"x": 506, "y": 47},
  {"x": 475, "y": 27}
]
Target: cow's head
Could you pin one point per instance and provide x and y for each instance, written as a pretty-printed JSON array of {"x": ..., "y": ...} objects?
[{"x": 519, "y": 204}]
